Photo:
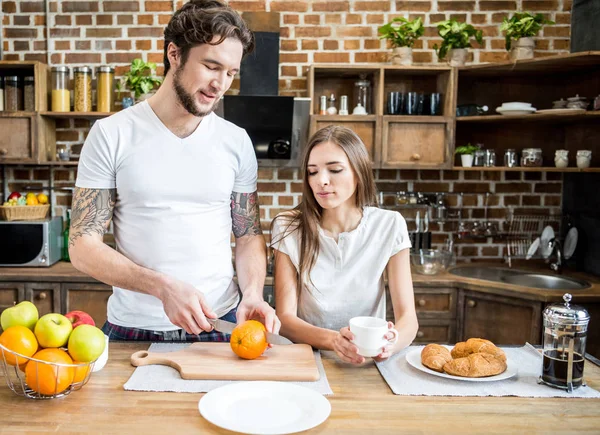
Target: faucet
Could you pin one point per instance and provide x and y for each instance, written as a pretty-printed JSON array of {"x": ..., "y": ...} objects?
[{"x": 555, "y": 247}]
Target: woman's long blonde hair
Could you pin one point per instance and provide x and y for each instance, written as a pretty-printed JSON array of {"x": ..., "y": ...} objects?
[{"x": 306, "y": 217}]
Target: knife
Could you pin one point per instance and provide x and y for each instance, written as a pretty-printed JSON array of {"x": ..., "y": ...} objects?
[{"x": 227, "y": 328}]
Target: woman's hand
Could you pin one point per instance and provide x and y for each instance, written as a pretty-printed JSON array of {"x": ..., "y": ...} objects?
[
  {"x": 389, "y": 349},
  {"x": 344, "y": 348}
]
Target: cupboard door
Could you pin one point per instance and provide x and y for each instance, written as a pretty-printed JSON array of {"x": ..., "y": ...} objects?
[
  {"x": 435, "y": 303},
  {"x": 90, "y": 298},
  {"x": 19, "y": 144},
  {"x": 45, "y": 296},
  {"x": 502, "y": 320},
  {"x": 11, "y": 294},
  {"x": 431, "y": 331}
]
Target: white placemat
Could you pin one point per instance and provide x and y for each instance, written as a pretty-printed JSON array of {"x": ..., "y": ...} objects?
[
  {"x": 165, "y": 378},
  {"x": 406, "y": 380}
]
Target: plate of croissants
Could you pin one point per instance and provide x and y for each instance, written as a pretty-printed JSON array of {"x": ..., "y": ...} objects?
[{"x": 476, "y": 360}]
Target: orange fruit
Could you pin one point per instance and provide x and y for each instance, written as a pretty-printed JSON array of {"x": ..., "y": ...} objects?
[
  {"x": 31, "y": 200},
  {"x": 249, "y": 340},
  {"x": 80, "y": 372},
  {"x": 42, "y": 198},
  {"x": 49, "y": 378},
  {"x": 21, "y": 340}
]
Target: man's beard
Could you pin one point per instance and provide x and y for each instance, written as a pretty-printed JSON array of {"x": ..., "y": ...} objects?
[{"x": 187, "y": 100}]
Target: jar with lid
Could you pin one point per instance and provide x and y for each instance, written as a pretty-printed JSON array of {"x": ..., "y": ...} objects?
[
  {"x": 479, "y": 158},
  {"x": 105, "y": 78},
  {"x": 61, "y": 97},
  {"x": 362, "y": 94},
  {"x": 531, "y": 157},
  {"x": 29, "y": 94},
  {"x": 490, "y": 158},
  {"x": 511, "y": 160},
  {"x": 565, "y": 335},
  {"x": 13, "y": 97},
  {"x": 83, "y": 89},
  {"x": 1, "y": 94},
  {"x": 401, "y": 198}
]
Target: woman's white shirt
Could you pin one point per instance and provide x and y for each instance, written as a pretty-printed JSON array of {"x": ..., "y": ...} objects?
[{"x": 347, "y": 278}]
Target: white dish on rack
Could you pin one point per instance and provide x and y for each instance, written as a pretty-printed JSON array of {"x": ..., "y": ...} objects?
[
  {"x": 533, "y": 248},
  {"x": 570, "y": 243},
  {"x": 547, "y": 235},
  {"x": 522, "y": 111}
]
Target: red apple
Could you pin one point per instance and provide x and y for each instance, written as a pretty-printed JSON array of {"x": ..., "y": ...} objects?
[
  {"x": 14, "y": 195},
  {"x": 80, "y": 318}
]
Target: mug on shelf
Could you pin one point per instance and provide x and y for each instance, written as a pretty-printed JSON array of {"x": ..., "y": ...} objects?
[
  {"x": 584, "y": 158},
  {"x": 561, "y": 158},
  {"x": 369, "y": 335}
]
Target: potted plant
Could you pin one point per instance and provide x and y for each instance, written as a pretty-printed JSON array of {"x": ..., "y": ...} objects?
[
  {"x": 139, "y": 80},
  {"x": 466, "y": 154},
  {"x": 456, "y": 39},
  {"x": 402, "y": 33},
  {"x": 522, "y": 27}
]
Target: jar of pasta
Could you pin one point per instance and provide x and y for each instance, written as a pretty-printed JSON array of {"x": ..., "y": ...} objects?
[
  {"x": 61, "y": 96},
  {"x": 13, "y": 97},
  {"x": 29, "y": 94},
  {"x": 83, "y": 89},
  {"x": 105, "y": 79}
]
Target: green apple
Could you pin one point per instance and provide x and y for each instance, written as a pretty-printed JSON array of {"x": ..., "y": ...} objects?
[
  {"x": 23, "y": 314},
  {"x": 86, "y": 343},
  {"x": 53, "y": 330}
]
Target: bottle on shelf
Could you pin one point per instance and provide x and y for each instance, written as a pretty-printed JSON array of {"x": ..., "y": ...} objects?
[
  {"x": 65, "y": 253},
  {"x": 61, "y": 96}
]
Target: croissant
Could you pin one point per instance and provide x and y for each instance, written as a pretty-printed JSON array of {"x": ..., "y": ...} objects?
[
  {"x": 476, "y": 365},
  {"x": 477, "y": 345},
  {"x": 435, "y": 356}
]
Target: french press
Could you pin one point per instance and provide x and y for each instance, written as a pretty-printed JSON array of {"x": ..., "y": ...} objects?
[{"x": 565, "y": 333}]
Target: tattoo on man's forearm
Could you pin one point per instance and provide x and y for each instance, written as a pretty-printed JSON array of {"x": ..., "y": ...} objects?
[
  {"x": 91, "y": 212},
  {"x": 245, "y": 214}
]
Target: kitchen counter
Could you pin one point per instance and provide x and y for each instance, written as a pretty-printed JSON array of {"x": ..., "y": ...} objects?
[
  {"x": 65, "y": 272},
  {"x": 362, "y": 404}
]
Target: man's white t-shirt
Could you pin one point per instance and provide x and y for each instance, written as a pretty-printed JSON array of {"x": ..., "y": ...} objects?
[
  {"x": 347, "y": 278},
  {"x": 172, "y": 213}
]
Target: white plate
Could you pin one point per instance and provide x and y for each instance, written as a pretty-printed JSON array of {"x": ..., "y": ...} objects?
[
  {"x": 522, "y": 111},
  {"x": 533, "y": 248},
  {"x": 515, "y": 105},
  {"x": 264, "y": 407},
  {"x": 570, "y": 242},
  {"x": 414, "y": 359},
  {"x": 547, "y": 235}
]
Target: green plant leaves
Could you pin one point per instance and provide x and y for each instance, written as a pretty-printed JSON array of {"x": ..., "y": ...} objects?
[
  {"x": 455, "y": 35},
  {"x": 402, "y": 32},
  {"x": 522, "y": 25},
  {"x": 466, "y": 149},
  {"x": 139, "y": 79}
]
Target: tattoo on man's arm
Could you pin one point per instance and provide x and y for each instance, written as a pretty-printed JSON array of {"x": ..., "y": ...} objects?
[
  {"x": 91, "y": 212},
  {"x": 245, "y": 214}
]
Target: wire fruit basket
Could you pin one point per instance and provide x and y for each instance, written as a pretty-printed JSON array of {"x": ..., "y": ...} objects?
[{"x": 48, "y": 377}]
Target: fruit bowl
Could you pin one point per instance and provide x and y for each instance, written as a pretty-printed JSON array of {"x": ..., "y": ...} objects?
[
  {"x": 23, "y": 213},
  {"x": 430, "y": 261},
  {"x": 49, "y": 379}
]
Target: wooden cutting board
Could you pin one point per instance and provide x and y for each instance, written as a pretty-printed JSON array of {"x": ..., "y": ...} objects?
[{"x": 294, "y": 362}]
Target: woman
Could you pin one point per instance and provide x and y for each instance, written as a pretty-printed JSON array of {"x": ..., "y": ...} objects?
[{"x": 331, "y": 252}]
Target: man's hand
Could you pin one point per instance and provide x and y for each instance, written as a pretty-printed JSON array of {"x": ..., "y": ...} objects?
[
  {"x": 187, "y": 308},
  {"x": 254, "y": 308}
]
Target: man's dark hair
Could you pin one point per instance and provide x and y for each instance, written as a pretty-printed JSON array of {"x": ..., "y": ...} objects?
[{"x": 199, "y": 21}]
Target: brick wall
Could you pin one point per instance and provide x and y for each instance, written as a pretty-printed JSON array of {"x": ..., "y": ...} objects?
[{"x": 341, "y": 31}]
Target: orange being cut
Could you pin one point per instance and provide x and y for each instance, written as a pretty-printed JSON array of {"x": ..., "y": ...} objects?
[
  {"x": 249, "y": 339},
  {"x": 21, "y": 340}
]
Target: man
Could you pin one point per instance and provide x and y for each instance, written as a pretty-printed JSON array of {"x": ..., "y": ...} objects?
[{"x": 178, "y": 180}]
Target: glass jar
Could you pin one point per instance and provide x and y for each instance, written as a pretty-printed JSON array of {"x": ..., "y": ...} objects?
[
  {"x": 531, "y": 157},
  {"x": 105, "y": 79},
  {"x": 511, "y": 160},
  {"x": 401, "y": 198},
  {"x": 1, "y": 94},
  {"x": 83, "y": 89},
  {"x": 362, "y": 95},
  {"x": 13, "y": 97},
  {"x": 565, "y": 335},
  {"x": 29, "y": 94},
  {"x": 61, "y": 97},
  {"x": 490, "y": 157},
  {"x": 479, "y": 158}
]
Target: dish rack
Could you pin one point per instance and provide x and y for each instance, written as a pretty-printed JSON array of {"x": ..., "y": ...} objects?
[
  {"x": 15, "y": 375},
  {"x": 523, "y": 230}
]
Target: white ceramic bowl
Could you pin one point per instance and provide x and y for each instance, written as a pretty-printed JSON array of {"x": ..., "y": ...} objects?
[{"x": 515, "y": 105}]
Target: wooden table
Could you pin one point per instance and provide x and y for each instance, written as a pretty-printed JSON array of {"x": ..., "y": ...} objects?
[{"x": 362, "y": 404}]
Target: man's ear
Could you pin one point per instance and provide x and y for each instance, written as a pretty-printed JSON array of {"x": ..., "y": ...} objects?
[{"x": 174, "y": 55}]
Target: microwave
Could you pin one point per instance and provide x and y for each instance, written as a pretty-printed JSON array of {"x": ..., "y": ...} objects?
[
  {"x": 31, "y": 243},
  {"x": 277, "y": 125}
]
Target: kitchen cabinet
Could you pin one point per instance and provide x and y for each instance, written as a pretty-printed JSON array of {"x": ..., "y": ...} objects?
[
  {"x": 10, "y": 294},
  {"x": 503, "y": 320},
  {"x": 45, "y": 296},
  {"x": 91, "y": 298}
]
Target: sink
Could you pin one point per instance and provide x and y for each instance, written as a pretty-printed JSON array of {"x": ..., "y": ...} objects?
[{"x": 520, "y": 277}]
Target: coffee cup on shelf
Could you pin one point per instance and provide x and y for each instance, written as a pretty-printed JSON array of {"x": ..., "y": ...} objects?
[
  {"x": 584, "y": 157},
  {"x": 561, "y": 158}
]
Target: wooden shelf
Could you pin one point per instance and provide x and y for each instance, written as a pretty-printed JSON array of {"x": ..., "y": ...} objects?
[
  {"x": 523, "y": 169},
  {"x": 29, "y": 163},
  {"x": 348, "y": 118},
  {"x": 81, "y": 115},
  {"x": 419, "y": 119},
  {"x": 534, "y": 117}
]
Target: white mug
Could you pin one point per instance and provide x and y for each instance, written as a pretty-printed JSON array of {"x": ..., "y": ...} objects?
[
  {"x": 369, "y": 335},
  {"x": 102, "y": 359},
  {"x": 583, "y": 159}
]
